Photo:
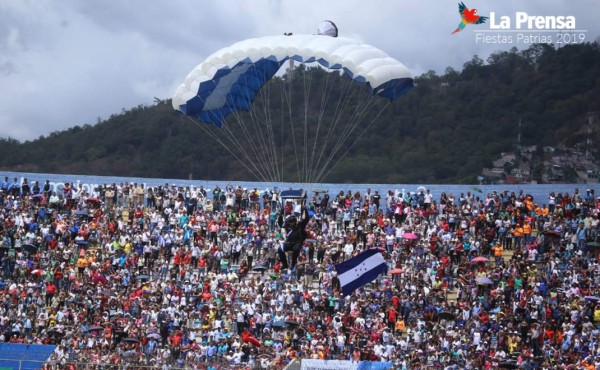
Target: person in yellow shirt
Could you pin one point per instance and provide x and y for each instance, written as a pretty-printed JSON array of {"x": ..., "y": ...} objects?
[
  {"x": 587, "y": 365},
  {"x": 82, "y": 263},
  {"x": 512, "y": 343},
  {"x": 518, "y": 235},
  {"x": 498, "y": 249},
  {"x": 128, "y": 246},
  {"x": 527, "y": 232},
  {"x": 400, "y": 325},
  {"x": 597, "y": 315}
]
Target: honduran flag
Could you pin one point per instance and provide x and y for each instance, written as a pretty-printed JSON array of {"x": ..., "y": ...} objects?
[{"x": 360, "y": 270}]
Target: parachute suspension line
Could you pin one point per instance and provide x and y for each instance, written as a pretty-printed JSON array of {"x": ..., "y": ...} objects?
[
  {"x": 324, "y": 98},
  {"x": 260, "y": 146},
  {"x": 281, "y": 123},
  {"x": 254, "y": 136},
  {"x": 270, "y": 136},
  {"x": 367, "y": 127},
  {"x": 219, "y": 140},
  {"x": 307, "y": 85},
  {"x": 253, "y": 154},
  {"x": 357, "y": 118},
  {"x": 288, "y": 100},
  {"x": 325, "y": 93},
  {"x": 345, "y": 99},
  {"x": 340, "y": 107},
  {"x": 267, "y": 138},
  {"x": 233, "y": 138},
  {"x": 240, "y": 132}
]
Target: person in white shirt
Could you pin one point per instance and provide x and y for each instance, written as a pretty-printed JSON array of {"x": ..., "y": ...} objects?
[{"x": 348, "y": 250}]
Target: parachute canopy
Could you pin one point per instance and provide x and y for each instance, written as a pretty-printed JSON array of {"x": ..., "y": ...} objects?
[
  {"x": 327, "y": 28},
  {"x": 228, "y": 80}
]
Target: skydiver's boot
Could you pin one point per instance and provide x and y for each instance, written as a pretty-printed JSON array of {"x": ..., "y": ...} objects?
[{"x": 282, "y": 258}]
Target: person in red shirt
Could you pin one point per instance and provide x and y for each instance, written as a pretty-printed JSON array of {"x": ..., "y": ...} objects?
[
  {"x": 53, "y": 243},
  {"x": 50, "y": 292},
  {"x": 58, "y": 275},
  {"x": 392, "y": 315},
  {"x": 187, "y": 258},
  {"x": 176, "y": 339},
  {"x": 202, "y": 265},
  {"x": 277, "y": 267},
  {"x": 396, "y": 302}
]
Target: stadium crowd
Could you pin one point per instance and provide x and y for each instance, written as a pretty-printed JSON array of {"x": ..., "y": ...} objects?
[{"x": 180, "y": 277}]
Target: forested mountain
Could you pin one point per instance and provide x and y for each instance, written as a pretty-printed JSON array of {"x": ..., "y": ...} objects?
[{"x": 445, "y": 130}]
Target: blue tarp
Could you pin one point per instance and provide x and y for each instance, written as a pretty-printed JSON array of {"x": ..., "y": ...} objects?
[
  {"x": 309, "y": 364},
  {"x": 24, "y": 356},
  {"x": 366, "y": 365}
]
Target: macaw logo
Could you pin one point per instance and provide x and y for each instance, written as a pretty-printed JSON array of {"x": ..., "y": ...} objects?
[{"x": 468, "y": 16}]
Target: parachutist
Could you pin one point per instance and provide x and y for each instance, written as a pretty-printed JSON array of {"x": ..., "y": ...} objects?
[{"x": 296, "y": 235}]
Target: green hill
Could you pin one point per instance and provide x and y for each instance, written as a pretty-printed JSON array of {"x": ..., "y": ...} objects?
[{"x": 445, "y": 130}]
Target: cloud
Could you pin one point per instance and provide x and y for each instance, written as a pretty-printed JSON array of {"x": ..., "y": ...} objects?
[{"x": 71, "y": 62}]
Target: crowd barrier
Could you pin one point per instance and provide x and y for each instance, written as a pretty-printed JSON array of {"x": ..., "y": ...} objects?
[
  {"x": 6, "y": 364},
  {"x": 307, "y": 364}
]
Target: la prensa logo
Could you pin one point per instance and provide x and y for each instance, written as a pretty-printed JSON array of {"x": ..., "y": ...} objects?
[{"x": 468, "y": 16}]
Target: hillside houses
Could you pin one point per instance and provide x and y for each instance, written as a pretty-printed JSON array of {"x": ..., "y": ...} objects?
[{"x": 544, "y": 165}]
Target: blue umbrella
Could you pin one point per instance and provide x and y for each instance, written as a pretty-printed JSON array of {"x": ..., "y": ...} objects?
[{"x": 484, "y": 280}]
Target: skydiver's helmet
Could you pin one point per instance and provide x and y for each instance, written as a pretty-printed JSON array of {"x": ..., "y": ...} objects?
[{"x": 291, "y": 221}]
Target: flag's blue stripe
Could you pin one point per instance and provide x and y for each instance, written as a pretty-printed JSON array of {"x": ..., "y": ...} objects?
[
  {"x": 355, "y": 261},
  {"x": 364, "y": 279}
]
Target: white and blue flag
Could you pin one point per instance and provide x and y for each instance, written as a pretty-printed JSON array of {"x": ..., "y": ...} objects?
[{"x": 360, "y": 270}]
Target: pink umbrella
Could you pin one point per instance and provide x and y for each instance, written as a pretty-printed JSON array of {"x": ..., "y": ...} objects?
[
  {"x": 479, "y": 259},
  {"x": 395, "y": 271},
  {"x": 99, "y": 279},
  {"x": 410, "y": 236}
]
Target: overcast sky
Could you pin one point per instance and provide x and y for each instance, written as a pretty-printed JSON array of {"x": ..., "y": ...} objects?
[{"x": 71, "y": 62}]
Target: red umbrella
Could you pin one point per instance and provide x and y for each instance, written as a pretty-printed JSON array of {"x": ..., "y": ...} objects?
[
  {"x": 479, "y": 259},
  {"x": 248, "y": 338},
  {"x": 38, "y": 272},
  {"x": 552, "y": 233},
  {"x": 93, "y": 200},
  {"x": 410, "y": 236},
  {"x": 395, "y": 271}
]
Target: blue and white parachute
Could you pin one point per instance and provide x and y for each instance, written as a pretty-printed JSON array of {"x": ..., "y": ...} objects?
[
  {"x": 266, "y": 119},
  {"x": 229, "y": 79}
]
